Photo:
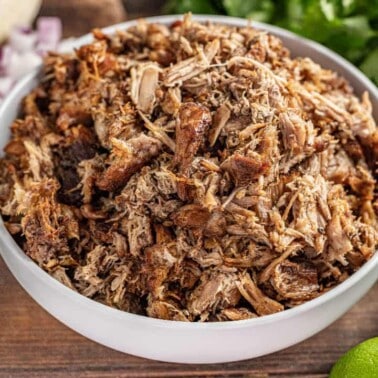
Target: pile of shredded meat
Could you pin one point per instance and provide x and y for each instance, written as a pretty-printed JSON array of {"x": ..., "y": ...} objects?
[{"x": 192, "y": 172}]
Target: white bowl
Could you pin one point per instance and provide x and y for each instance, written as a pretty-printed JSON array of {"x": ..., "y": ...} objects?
[{"x": 178, "y": 341}]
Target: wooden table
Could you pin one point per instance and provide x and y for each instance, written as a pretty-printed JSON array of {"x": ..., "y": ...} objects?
[{"x": 34, "y": 344}]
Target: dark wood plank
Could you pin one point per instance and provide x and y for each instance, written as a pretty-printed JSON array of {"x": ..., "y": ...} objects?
[{"x": 34, "y": 344}]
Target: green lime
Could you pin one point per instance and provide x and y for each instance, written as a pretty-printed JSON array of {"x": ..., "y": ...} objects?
[{"x": 359, "y": 362}]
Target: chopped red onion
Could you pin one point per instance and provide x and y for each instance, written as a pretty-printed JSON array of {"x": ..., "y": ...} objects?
[
  {"x": 25, "y": 49},
  {"x": 49, "y": 30}
]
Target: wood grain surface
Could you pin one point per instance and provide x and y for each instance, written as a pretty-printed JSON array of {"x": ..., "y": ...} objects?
[{"x": 34, "y": 344}]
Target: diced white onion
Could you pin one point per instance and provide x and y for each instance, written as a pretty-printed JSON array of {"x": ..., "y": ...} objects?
[
  {"x": 5, "y": 85},
  {"x": 21, "y": 64},
  {"x": 5, "y": 57},
  {"x": 22, "y": 40},
  {"x": 43, "y": 47}
]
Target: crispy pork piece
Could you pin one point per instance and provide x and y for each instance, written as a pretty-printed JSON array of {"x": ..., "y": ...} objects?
[
  {"x": 47, "y": 225},
  {"x": 296, "y": 280},
  {"x": 192, "y": 124},
  {"x": 129, "y": 157},
  {"x": 158, "y": 262},
  {"x": 216, "y": 291},
  {"x": 244, "y": 169},
  {"x": 166, "y": 310},
  {"x": 262, "y": 304},
  {"x": 233, "y": 313},
  {"x": 221, "y": 117},
  {"x": 191, "y": 216}
]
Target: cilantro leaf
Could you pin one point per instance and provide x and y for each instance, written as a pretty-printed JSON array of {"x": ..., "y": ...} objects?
[
  {"x": 258, "y": 10},
  {"x": 370, "y": 67},
  {"x": 194, "y": 6}
]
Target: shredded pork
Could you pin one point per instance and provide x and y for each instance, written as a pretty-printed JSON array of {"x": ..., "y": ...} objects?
[{"x": 192, "y": 172}]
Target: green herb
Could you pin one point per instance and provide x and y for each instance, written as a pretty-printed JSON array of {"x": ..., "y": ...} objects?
[
  {"x": 194, "y": 6},
  {"x": 259, "y": 10},
  {"x": 349, "y": 27},
  {"x": 370, "y": 65}
]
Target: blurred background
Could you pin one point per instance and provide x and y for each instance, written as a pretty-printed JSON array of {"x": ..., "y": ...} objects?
[{"x": 80, "y": 16}]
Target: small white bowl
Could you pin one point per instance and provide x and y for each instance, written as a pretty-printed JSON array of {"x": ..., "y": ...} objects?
[{"x": 174, "y": 341}]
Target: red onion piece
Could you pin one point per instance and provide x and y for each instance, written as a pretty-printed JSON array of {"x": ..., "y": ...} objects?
[{"x": 49, "y": 30}]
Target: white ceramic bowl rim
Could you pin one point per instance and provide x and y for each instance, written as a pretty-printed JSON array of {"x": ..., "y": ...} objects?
[{"x": 11, "y": 244}]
